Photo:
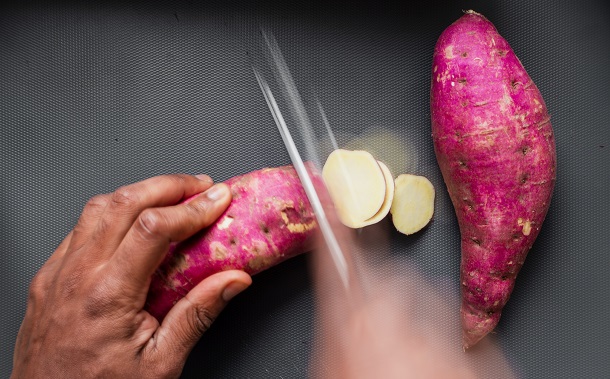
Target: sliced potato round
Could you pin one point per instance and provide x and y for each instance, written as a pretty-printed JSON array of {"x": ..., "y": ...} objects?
[
  {"x": 389, "y": 196},
  {"x": 413, "y": 203},
  {"x": 356, "y": 184}
]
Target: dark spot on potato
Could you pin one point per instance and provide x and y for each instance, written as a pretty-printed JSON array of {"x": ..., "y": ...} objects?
[
  {"x": 178, "y": 262},
  {"x": 464, "y": 103},
  {"x": 462, "y": 81},
  {"x": 516, "y": 237},
  {"x": 233, "y": 241},
  {"x": 476, "y": 240},
  {"x": 514, "y": 83},
  {"x": 469, "y": 204},
  {"x": 462, "y": 164},
  {"x": 501, "y": 53},
  {"x": 264, "y": 228},
  {"x": 464, "y": 54},
  {"x": 524, "y": 150},
  {"x": 490, "y": 313},
  {"x": 523, "y": 178},
  {"x": 478, "y": 289},
  {"x": 504, "y": 277}
]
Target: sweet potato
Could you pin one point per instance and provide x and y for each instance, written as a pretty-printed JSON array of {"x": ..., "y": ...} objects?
[
  {"x": 496, "y": 150},
  {"x": 268, "y": 221}
]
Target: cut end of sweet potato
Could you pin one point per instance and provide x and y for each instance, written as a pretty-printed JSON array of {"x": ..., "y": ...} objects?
[{"x": 413, "y": 203}]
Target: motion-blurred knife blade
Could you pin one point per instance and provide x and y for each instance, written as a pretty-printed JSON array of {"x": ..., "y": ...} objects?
[{"x": 336, "y": 252}]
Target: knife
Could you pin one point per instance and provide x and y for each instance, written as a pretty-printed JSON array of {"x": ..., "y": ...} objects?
[{"x": 336, "y": 252}]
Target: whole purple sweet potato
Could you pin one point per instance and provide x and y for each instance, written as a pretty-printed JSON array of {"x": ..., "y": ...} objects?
[
  {"x": 495, "y": 147},
  {"x": 268, "y": 221}
]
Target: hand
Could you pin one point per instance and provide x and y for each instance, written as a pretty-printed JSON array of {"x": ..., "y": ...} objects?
[
  {"x": 390, "y": 322},
  {"x": 85, "y": 314}
]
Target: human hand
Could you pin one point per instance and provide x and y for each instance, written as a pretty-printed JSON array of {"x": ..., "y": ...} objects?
[
  {"x": 85, "y": 314},
  {"x": 391, "y": 322}
]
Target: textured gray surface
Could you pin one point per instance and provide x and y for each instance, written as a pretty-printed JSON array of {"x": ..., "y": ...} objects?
[{"x": 93, "y": 96}]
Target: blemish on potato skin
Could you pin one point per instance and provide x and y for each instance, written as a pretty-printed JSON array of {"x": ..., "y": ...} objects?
[
  {"x": 260, "y": 262},
  {"x": 178, "y": 263},
  {"x": 225, "y": 222},
  {"x": 218, "y": 251},
  {"x": 449, "y": 52},
  {"x": 297, "y": 227}
]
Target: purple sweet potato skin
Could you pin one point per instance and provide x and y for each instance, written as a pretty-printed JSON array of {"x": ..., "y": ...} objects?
[
  {"x": 268, "y": 221},
  {"x": 495, "y": 147}
]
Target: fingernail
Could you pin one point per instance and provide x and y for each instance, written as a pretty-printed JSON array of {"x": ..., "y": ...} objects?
[
  {"x": 232, "y": 290},
  {"x": 216, "y": 192},
  {"x": 204, "y": 178}
]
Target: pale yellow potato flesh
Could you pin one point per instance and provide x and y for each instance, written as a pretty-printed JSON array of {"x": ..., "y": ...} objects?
[
  {"x": 389, "y": 196},
  {"x": 356, "y": 184},
  {"x": 413, "y": 203}
]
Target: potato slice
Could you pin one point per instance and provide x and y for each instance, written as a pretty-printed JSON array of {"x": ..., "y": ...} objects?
[
  {"x": 413, "y": 203},
  {"x": 389, "y": 196},
  {"x": 356, "y": 184}
]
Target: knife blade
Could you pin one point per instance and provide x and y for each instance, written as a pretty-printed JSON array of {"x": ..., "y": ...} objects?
[{"x": 336, "y": 252}]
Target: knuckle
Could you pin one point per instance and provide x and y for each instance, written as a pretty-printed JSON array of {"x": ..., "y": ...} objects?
[
  {"x": 197, "y": 208},
  {"x": 179, "y": 178},
  {"x": 174, "y": 180},
  {"x": 97, "y": 202},
  {"x": 202, "y": 319},
  {"x": 151, "y": 223},
  {"x": 124, "y": 197},
  {"x": 93, "y": 207},
  {"x": 37, "y": 287}
]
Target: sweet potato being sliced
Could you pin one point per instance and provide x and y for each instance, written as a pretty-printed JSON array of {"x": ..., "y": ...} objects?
[{"x": 268, "y": 221}]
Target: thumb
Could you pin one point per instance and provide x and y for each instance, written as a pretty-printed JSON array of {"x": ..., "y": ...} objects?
[{"x": 194, "y": 314}]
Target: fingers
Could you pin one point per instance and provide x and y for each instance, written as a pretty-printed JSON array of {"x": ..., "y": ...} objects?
[
  {"x": 148, "y": 240},
  {"x": 192, "y": 315},
  {"x": 126, "y": 203}
]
